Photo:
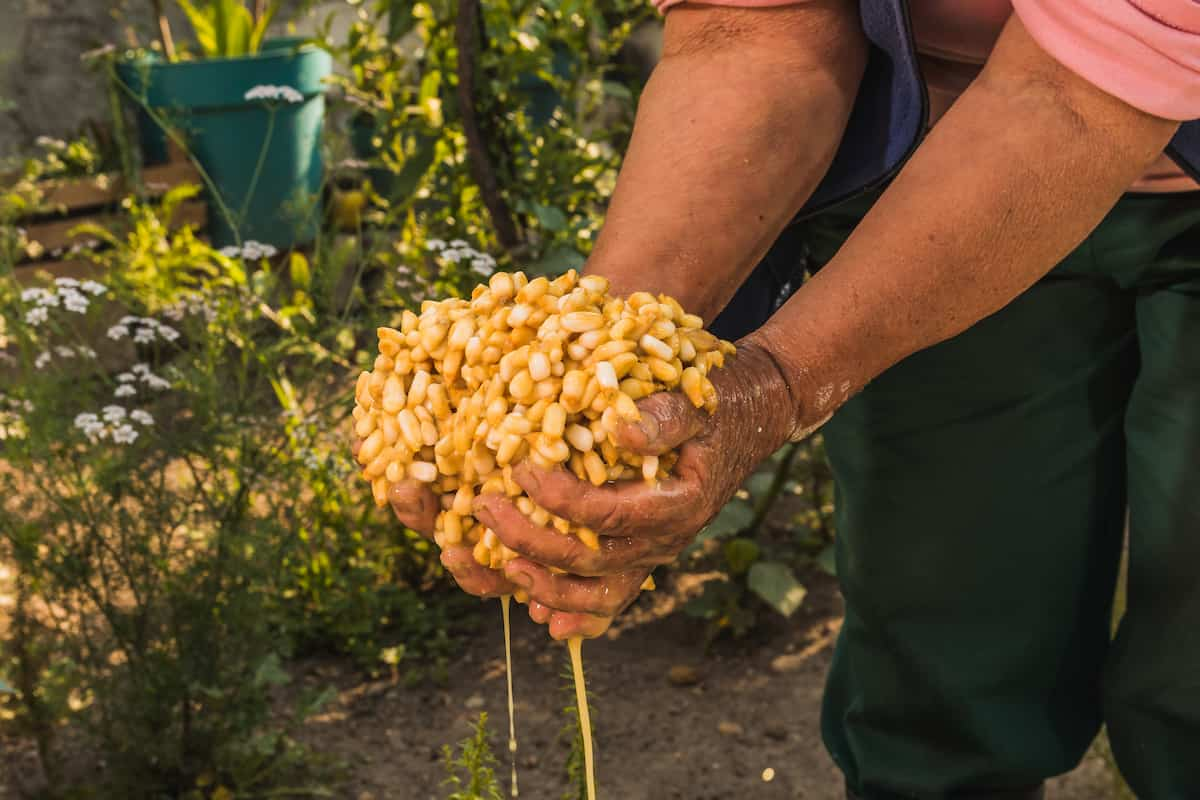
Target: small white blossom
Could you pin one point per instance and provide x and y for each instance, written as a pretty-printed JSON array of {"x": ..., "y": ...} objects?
[
  {"x": 50, "y": 143},
  {"x": 458, "y": 243},
  {"x": 435, "y": 244},
  {"x": 156, "y": 383},
  {"x": 62, "y": 351},
  {"x": 93, "y": 288},
  {"x": 141, "y": 417},
  {"x": 141, "y": 369},
  {"x": 124, "y": 434},
  {"x": 36, "y": 316},
  {"x": 483, "y": 265},
  {"x": 69, "y": 283},
  {"x": 143, "y": 336},
  {"x": 113, "y": 413},
  {"x": 125, "y": 390},
  {"x": 75, "y": 302},
  {"x": 117, "y": 332},
  {"x": 230, "y": 251},
  {"x": 126, "y": 377},
  {"x": 168, "y": 333},
  {"x": 85, "y": 352},
  {"x": 33, "y": 295},
  {"x": 42, "y": 360},
  {"x": 453, "y": 256},
  {"x": 269, "y": 92},
  {"x": 85, "y": 419}
]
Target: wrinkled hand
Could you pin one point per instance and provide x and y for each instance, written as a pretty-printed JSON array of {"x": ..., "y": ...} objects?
[{"x": 641, "y": 525}]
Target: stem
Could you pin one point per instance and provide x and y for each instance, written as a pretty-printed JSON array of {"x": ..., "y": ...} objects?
[
  {"x": 483, "y": 172},
  {"x": 262, "y": 157},
  {"x": 164, "y": 30},
  {"x": 768, "y": 500}
]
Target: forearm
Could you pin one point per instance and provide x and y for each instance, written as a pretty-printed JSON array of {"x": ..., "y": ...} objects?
[
  {"x": 1023, "y": 167},
  {"x": 734, "y": 131}
]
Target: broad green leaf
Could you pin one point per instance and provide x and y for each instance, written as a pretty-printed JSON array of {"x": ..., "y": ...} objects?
[
  {"x": 260, "y": 28},
  {"x": 202, "y": 26},
  {"x": 731, "y": 519},
  {"x": 550, "y": 218},
  {"x": 827, "y": 560},
  {"x": 557, "y": 261},
  {"x": 776, "y": 584},
  {"x": 740, "y": 554}
]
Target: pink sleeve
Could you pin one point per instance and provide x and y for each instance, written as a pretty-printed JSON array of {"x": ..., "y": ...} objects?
[
  {"x": 1145, "y": 52},
  {"x": 663, "y": 5}
]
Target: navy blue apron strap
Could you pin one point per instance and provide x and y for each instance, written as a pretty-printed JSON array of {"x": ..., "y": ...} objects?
[{"x": 890, "y": 114}]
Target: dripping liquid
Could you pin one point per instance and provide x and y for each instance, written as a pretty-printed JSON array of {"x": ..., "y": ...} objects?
[
  {"x": 512, "y": 727},
  {"x": 575, "y": 646}
]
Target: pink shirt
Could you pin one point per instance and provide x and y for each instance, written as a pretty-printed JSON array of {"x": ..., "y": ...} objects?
[{"x": 1145, "y": 52}]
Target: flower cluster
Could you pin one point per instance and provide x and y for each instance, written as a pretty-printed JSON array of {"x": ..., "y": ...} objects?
[
  {"x": 458, "y": 250},
  {"x": 113, "y": 422},
  {"x": 12, "y": 423},
  {"x": 249, "y": 251},
  {"x": 67, "y": 293},
  {"x": 287, "y": 94},
  {"x": 139, "y": 373},
  {"x": 62, "y": 351},
  {"x": 191, "y": 304},
  {"x": 145, "y": 330}
]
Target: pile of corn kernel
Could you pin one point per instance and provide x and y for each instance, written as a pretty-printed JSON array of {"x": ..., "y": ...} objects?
[{"x": 537, "y": 369}]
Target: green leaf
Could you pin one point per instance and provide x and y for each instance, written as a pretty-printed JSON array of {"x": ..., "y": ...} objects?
[
  {"x": 759, "y": 484},
  {"x": 733, "y": 518},
  {"x": 301, "y": 274},
  {"x": 202, "y": 26},
  {"x": 260, "y": 28},
  {"x": 617, "y": 90},
  {"x": 270, "y": 672},
  {"x": 776, "y": 584},
  {"x": 827, "y": 560},
  {"x": 740, "y": 554},
  {"x": 557, "y": 261},
  {"x": 550, "y": 218}
]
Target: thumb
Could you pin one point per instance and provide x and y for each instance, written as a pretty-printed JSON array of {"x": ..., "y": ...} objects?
[{"x": 668, "y": 420}]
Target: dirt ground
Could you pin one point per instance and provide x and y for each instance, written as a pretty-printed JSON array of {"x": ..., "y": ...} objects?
[{"x": 755, "y": 707}]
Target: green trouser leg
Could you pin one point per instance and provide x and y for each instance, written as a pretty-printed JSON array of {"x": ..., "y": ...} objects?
[{"x": 983, "y": 485}]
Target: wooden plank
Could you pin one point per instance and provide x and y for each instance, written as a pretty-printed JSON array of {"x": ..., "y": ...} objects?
[
  {"x": 42, "y": 273},
  {"x": 55, "y": 236},
  {"x": 79, "y": 194}
]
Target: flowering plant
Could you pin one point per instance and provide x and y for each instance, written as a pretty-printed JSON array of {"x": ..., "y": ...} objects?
[{"x": 226, "y": 28}]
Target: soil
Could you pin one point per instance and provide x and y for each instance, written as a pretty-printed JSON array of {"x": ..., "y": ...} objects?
[{"x": 754, "y": 706}]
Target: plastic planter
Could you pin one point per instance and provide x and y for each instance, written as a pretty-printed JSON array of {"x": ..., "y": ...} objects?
[{"x": 259, "y": 146}]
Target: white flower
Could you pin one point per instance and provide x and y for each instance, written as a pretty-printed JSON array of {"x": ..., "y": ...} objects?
[
  {"x": 167, "y": 332},
  {"x": 62, "y": 351},
  {"x": 36, "y": 316},
  {"x": 126, "y": 377},
  {"x": 69, "y": 283},
  {"x": 42, "y": 360},
  {"x": 74, "y": 301},
  {"x": 118, "y": 332},
  {"x": 124, "y": 434},
  {"x": 173, "y": 313},
  {"x": 457, "y": 243},
  {"x": 269, "y": 92},
  {"x": 230, "y": 251},
  {"x": 141, "y": 417},
  {"x": 85, "y": 419},
  {"x": 156, "y": 383},
  {"x": 33, "y": 295},
  {"x": 50, "y": 143},
  {"x": 435, "y": 244},
  {"x": 141, "y": 369},
  {"x": 49, "y": 299},
  {"x": 453, "y": 256},
  {"x": 483, "y": 265},
  {"x": 85, "y": 352},
  {"x": 143, "y": 336},
  {"x": 113, "y": 413},
  {"x": 93, "y": 288},
  {"x": 125, "y": 390},
  {"x": 94, "y": 430}
]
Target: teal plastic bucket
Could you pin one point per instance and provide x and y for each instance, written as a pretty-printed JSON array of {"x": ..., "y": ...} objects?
[{"x": 254, "y": 124}]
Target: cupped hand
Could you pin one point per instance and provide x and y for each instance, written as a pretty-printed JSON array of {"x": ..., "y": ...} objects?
[{"x": 641, "y": 525}]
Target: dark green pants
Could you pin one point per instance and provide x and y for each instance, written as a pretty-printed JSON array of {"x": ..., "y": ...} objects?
[{"x": 983, "y": 490}]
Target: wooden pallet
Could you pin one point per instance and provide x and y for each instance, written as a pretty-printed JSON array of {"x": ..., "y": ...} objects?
[{"x": 96, "y": 200}]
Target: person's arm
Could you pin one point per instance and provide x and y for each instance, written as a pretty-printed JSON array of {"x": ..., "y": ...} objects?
[
  {"x": 735, "y": 129},
  {"x": 1019, "y": 171},
  {"x": 1023, "y": 167}
]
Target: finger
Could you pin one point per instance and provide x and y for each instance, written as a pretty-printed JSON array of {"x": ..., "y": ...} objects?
[
  {"x": 624, "y": 508},
  {"x": 539, "y": 613},
  {"x": 668, "y": 420},
  {"x": 473, "y": 578},
  {"x": 565, "y": 625},
  {"x": 604, "y": 597},
  {"x": 548, "y": 546},
  {"x": 415, "y": 505}
]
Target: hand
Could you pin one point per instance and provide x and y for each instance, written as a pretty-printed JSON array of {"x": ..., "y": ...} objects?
[{"x": 642, "y": 525}]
